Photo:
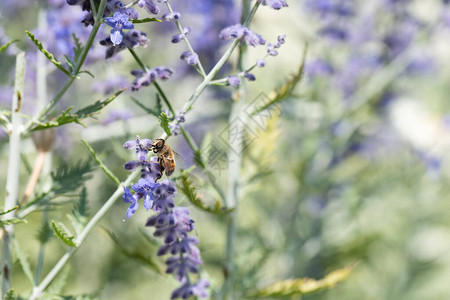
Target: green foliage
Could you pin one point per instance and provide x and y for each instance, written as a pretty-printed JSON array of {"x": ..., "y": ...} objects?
[
  {"x": 5, "y": 46},
  {"x": 70, "y": 178},
  {"x": 10, "y": 295},
  {"x": 286, "y": 89},
  {"x": 102, "y": 166},
  {"x": 45, "y": 233},
  {"x": 145, "y": 20},
  {"x": 164, "y": 123},
  {"x": 302, "y": 286},
  {"x": 47, "y": 54},
  {"x": 77, "y": 49},
  {"x": 80, "y": 213},
  {"x": 23, "y": 259},
  {"x": 89, "y": 111},
  {"x": 153, "y": 111},
  {"x": 61, "y": 232},
  {"x": 9, "y": 210},
  {"x": 186, "y": 186},
  {"x": 12, "y": 221},
  {"x": 136, "y": 254}
]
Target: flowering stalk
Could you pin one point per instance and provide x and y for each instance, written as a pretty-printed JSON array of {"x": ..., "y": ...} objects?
[
  {"x": 170, "y": 222},
  {"x": 12, "y": 181},
  {"x": 186, "y": 40}
]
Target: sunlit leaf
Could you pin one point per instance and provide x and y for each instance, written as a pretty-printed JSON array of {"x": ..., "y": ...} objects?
[{"x": 61, "y": 232}]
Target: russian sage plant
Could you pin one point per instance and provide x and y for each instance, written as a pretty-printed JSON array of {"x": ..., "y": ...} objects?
[{"x": 101, "y": 32}]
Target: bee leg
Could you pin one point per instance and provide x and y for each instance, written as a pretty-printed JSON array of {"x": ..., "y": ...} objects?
[{"x": 161, "y": 167}]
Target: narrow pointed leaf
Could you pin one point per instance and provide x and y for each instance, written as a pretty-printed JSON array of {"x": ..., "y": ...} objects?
[
  {"x": 102, "y": 166},
  {"x": 23, "y": 259},
  {"x": 10, "y": 210},
  {"x": 302, "y": 286},
  {"x": 4, "y": 47},
  {"x": 145, "y": 20},
  {"x": 47, "y": 54}
]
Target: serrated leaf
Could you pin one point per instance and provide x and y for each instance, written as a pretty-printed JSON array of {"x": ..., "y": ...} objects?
[
  {"x": 79, "y": 216},
  {"x": 63, "y": 235},
  {"x": 23, "y": 259},
  {"x": 78, "y": 48},
  {"x": 145, "y": 20},
  {"x": 47, "y": 54},
  {"x": 45, "y": 233},
  {"x": 70, "y": 178},
  {"x": 186, "y": 186},
  {"x": 136, "y": 254},
  {"x": 286, "y": 89},
  {"x": 4, "y": 47},
  {"x": 9, "y": 210},
  {"x": 12, "y": 221},
  {"x": 302, "y": 286},
  {"x": 95, "y": 108},
  {"x": 164, "y": 123},
  {"x": 66, "y": 117}
]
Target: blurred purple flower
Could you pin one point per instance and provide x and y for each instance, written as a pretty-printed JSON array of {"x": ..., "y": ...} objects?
[
  {"x": 233, "y": 81},
  {"x": 238, "y": 31},
  {"x": 189, "y": 57},
  {"x": 118, "y": 114},
  {"x": 148, "y": 77},
  {"x": 275, "y": 4},
  {"x": 149, "y": 5}
]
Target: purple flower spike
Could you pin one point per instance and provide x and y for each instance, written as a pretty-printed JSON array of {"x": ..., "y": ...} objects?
[
  {"x": 148, "y": 77},
  {"x": 149, "y": 6},
  {"x": 249, "y": 76},
  {"x": 144, "y": 189},
  {"x": 234, "y": 81},
  {"x": 118, "y": 22}
]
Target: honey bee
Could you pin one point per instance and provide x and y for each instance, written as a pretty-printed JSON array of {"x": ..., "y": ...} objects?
[{"x": 165, "y": 156}]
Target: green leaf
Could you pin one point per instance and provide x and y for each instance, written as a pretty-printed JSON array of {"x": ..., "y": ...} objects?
[
  {"x": 78, "y": 48},
  {"x": 79, "y": 216},
  {"x": 286, "y": 89},
  {"x": 66, "y": 117},
  {"x": 302, "y": 286},
  {"x": 63, "y": 235},
  {"x": 87, "y": 72},
  {"x": 47, "y": 54},
  {"x": 102, "y": 166},
  {"x": 154, "y": 112},
  {"x": 95, "y": 108},
  {"x": 9, "y": 210},
  {"x": 23, "y": 259},
  {"x": 186, "y": 186},
  {"x": 45, "y": 233},
  {"x": 4, "y": 47},
  {"x": 136, "y": 254},
  {"x": 12, "y": 221},
  {"x": 70, "y": 178},
  {"x": 145, "y": 20},
  {"x": 164, "y": 123}
]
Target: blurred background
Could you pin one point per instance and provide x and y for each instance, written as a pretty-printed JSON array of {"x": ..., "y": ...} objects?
[{"x": 351, "y": 169}]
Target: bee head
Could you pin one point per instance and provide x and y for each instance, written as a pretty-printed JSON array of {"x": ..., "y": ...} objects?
[{"x": 158, "y": 145}]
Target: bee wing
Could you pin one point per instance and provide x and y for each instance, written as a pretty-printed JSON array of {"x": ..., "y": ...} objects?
[{"x": 179, "y": 157}]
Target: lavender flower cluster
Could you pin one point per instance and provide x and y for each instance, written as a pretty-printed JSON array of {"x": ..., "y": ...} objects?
[{"x": 171, "y": 223}]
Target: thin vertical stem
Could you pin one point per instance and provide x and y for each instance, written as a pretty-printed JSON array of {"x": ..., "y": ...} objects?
[
  {"x": 236, "y": 139},
  {"x": 12, "y": 181}
]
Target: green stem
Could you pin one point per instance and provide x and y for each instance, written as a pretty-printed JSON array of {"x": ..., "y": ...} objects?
[
  {"x": 78, "y": 65},
  {"x": 38, "y": 291},
  {"x": 12, "y": 178}
]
